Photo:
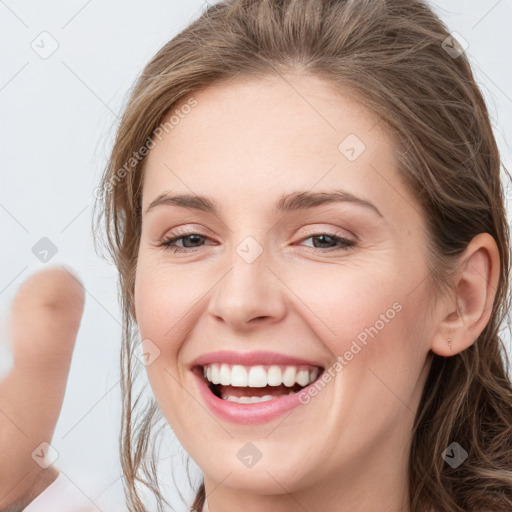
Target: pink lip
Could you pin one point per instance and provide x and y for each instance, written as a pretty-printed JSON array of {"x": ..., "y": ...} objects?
[
  {"x": 246, "y": 414},
  {"x": 250, "y": 359}
]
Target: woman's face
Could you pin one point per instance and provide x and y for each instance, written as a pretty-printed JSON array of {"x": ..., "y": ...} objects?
[{"x": 263, "y": 272}]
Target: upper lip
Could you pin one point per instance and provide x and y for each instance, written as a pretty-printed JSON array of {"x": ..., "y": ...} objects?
[{"x": 251, "y": 359}]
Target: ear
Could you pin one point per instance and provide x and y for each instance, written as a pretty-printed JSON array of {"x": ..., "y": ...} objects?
[{"x": 465, "y": 316}]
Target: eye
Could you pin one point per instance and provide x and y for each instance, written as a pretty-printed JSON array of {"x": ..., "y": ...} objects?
[
  {"x": 340, "y": 243},
  {"x": 186, "y": 237}
]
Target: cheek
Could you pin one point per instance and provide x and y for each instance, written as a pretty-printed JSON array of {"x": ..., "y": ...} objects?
[
  {"x": 164, "y": 299},
  {"x": 367, "y": 318},
  {"x": 346, "y": 300}
]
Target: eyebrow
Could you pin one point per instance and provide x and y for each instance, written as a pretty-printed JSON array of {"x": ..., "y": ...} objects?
[{"x": 299, "y": 200}]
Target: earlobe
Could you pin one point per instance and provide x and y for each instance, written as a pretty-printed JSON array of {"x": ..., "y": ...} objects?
[{"x": 466, "y": 315}]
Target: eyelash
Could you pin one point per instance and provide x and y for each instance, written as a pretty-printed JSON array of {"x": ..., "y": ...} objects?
[{"x": 346, "y": 244}]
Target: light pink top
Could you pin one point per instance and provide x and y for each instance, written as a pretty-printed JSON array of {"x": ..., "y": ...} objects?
[{"x": 63, "y": 496}]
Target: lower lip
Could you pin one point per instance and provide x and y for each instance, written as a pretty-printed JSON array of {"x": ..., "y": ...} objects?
[{"x": 247, "y": 414}]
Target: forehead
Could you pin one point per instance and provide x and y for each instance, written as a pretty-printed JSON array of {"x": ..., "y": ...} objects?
[{"x": 262, "y": 138}]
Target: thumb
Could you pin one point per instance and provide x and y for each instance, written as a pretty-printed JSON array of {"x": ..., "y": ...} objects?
[{"x": 44, "y": 320}]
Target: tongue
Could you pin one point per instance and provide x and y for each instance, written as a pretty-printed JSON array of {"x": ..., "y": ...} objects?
[{"x": 267, "y": 390}]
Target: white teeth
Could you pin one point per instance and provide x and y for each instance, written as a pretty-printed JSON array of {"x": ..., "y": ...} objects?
[
  {"x": 250, "y": 399},
  {"x": 274, "y": 377},
  {"x": 215, "y": 374},
  {"x": 289, "y": 376},
  {"x": 225, "y": 375},
  {"x": 302, "y": 377},
  {"x": 238, "y": 376},
  {"x": 259, "y": 376}
]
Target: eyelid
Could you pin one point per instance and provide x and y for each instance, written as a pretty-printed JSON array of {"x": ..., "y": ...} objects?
[
  {"x": 329, "y": 229},
  {"x": 189, "y": 229},
  {"x": 343, "y": 244}
]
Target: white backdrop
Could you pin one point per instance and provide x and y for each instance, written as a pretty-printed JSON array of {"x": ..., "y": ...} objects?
[{"x": 66, "y": 69}]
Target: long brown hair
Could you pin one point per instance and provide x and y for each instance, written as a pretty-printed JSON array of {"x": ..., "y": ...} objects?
[{"x": 397, "y": 58}]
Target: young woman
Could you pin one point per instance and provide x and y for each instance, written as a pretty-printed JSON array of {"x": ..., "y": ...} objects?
[{"x": 304, "y": 204}]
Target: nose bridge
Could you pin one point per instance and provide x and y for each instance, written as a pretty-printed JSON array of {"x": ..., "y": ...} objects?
[{"x": 249, "y": 289}]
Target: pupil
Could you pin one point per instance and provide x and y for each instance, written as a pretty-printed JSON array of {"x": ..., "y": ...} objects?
[
  {"x": 323, "y": 237},
  {"x": 196, "y": 237}
]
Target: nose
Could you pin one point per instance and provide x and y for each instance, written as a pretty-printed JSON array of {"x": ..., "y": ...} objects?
[{"x": 249, "y": 295}]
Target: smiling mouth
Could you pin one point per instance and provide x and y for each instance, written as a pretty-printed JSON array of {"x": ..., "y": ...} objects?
[{"x": 246, "y": 385}]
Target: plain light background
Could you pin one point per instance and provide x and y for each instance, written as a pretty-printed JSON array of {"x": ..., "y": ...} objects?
[{"x": 58, "y": 118}]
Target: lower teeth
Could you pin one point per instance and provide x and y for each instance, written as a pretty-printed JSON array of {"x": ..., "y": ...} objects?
[{"x": 251, "y": 399}]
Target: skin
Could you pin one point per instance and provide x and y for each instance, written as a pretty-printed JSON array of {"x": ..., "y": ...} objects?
[
  {"x": 44, "y": 320},
  {"x": 244, "y": 145}
]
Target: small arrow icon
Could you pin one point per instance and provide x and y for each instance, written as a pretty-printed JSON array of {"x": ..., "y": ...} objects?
[
  {"x": 249, "y": 249},
  {"x": 44, "y": 44},
  {"x": 454, "y": 455},
  {"x": 44, "y": 455},
  {"x": 45, "y": 252},
  {"x": 455, "y": 45},
  {"x": 351, "y": 147},
  {"x": 150, "y": 352},
  {"x": 249, "y": 455}
]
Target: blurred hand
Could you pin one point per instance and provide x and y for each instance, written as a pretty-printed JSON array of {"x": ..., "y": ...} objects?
[{"x": 44, "y": 320}]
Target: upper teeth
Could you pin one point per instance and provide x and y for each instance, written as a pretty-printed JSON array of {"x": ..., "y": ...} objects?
[{"x": 259, "y": 376}]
